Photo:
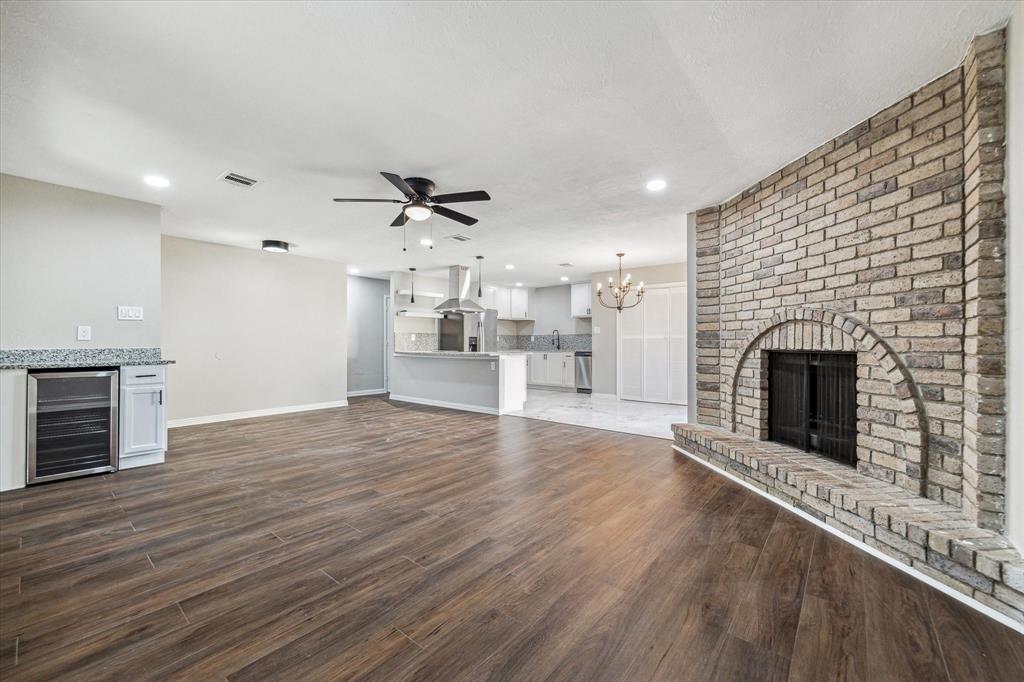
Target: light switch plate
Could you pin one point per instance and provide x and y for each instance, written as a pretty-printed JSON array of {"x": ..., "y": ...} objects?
[
  {"x": 129, "y": 312},
  {"x": 84, "y": 333},
  {"x": 597, "y": 330}
]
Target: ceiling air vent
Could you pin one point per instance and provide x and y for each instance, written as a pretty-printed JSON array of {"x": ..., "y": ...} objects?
[
  {"x": 458, "y": 237},
  {"x": 565, "y": 265},
  {"x": 238, "y": 180}
]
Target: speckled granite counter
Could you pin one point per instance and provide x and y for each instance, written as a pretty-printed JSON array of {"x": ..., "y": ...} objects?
[{"x": 52, "y": 358}]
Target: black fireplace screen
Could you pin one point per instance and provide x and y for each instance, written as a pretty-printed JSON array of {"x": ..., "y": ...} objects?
[{"x": 812, "y": 402}]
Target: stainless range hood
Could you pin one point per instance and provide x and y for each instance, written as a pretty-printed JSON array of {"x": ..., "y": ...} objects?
[{"x": 458, "y": 300}]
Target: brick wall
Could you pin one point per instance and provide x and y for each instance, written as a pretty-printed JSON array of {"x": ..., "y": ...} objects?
[{"x": 896, "y": 225}]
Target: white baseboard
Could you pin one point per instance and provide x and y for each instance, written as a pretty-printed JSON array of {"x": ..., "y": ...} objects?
[
  {"x": 445, "y": 403},
  {"x": 231, "y": 416},
  {"x": 133, "y": 461},
  {"x": 369, "y": 391},
  {"x": 909, "y": 570}
]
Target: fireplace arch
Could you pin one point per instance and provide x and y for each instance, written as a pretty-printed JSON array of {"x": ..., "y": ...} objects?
[{"x": 892, "y": 438}]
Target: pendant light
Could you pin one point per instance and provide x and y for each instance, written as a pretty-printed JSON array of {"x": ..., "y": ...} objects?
[
  {"x": 479, "y": 276},
  {"x": 412, "y": 285}
]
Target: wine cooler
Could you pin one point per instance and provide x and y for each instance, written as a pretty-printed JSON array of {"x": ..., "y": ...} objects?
[{"x": 72, "y": 423}]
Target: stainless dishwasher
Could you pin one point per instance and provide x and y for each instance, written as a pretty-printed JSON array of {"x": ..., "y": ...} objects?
[{"x": 583, "y": 365}]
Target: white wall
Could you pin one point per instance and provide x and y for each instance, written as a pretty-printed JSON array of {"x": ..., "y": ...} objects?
[
  {"x": 603, "y": 321},
  {"x": 366, "y": 333},
  {"x": 69, "y": 257},
  {"x": 552, "y": 309},
  {"x": 250, "y": 330},
  {"x": 1014, "y": 186}
]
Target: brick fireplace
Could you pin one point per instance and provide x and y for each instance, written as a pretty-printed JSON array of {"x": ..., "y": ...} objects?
[{"x": 886, "y": 242}]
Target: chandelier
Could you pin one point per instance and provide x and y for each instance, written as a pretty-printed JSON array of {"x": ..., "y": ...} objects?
[{"x": 620, "y": 291}]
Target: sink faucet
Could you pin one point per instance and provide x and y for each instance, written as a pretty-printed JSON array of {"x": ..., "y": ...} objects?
[{"x": 557, "y": 341}]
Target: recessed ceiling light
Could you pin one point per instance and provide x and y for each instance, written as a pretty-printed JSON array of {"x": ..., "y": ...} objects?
[
  {"x": 519, "y": 284},
  {"x": 353, "y": 271},
  {"x": 656, "y": 185},
  {"x": 426, "y": 241},
  {"x": 156, "y": 181},
  {"x": 275, "y": 246},
  {"x": 510, "y": 267},
  {"x": 564, "y": 278}
]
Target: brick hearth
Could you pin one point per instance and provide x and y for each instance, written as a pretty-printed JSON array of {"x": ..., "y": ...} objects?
[{"x": 935, "y": 538}]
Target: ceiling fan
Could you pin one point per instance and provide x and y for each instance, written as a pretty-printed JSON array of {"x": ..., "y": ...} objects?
[{"x": 420, "y": 201}]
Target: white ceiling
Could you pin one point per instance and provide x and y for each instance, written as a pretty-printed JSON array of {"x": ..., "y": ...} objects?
[{"x": 561, "y": 111}]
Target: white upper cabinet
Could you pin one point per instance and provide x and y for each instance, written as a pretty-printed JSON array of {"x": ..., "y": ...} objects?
[
  {"x": 511, "y": 304},
  {"x": 520, "y": 304},
  {"x": 503, "y": 303},
  {"x": 581, "y": 295}
]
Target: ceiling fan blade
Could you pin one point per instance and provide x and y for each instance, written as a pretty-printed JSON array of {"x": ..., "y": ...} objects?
[
  {"x": 400, "y": 183},
  {"x": 401, "y": 220},
  {"x": 454, "y": 215},
  {"x": 456, "y": 197},
  {"x": 389, "y": 201}
]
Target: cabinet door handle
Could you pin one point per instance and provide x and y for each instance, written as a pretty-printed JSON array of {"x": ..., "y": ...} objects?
[
  {"x": 144, "y": 376},
  {"x": 161, "y": 396}
]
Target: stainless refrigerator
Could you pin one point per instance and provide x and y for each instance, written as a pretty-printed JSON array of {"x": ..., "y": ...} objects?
[{"x": 472, "y": 332}]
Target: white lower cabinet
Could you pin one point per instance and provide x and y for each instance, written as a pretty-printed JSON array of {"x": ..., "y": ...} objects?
[
  {"x": 143, "y": 418},
  {"x": 552, "y": 369}
]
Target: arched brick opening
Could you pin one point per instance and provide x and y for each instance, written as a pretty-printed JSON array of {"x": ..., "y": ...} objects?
[{"x": 891, "y": 442}]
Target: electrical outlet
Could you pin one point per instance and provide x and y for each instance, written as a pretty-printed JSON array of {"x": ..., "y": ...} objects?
[
  {"x": 84, "y": 333},
  {"x": 597, "y": 330},
  {"x": 492, "y": 366}
]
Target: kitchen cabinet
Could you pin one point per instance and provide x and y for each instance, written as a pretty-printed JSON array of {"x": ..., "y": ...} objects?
[
  {"x": 503, "y": 303},
  {"x": 143, "y": 416},
  {"x": 520, "y": 303},
  {"x": 552, "y": 369},
  {"x": 511, "y": 304},
  {"x": 581, "y": 296}
]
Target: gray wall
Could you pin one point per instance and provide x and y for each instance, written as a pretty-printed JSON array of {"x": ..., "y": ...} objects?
[
  {"x": 552, "y": 309},
  {"x": 471, "y": 382},
  {"x": 250, "y": 330},
  {"x": 69, "y": 257},
  {"x": 1014, "y": 185},
  {"x": 604, "y": 318},
  {"x": 366, "y": 334}
]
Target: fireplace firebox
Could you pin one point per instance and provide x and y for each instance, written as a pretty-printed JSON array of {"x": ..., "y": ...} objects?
[{"x": 812, "y": 402}]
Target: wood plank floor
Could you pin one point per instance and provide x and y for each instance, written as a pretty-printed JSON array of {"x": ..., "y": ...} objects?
[{"x": 386, "y": 541}]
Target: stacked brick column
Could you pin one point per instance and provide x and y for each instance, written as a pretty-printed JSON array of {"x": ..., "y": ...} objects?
[
  {"x": 708, "y": 331},
  {"x": 984, "y": 259}
]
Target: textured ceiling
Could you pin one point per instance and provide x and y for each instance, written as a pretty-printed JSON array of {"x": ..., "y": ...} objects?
[{"x": 561, "y": 111}]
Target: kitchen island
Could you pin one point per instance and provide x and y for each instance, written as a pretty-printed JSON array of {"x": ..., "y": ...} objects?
[{"x": 492, "y": 383}]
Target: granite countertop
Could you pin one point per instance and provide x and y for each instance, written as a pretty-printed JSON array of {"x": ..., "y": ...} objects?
[
  {"x": 457, "y": 354},
  {"x": 453, "y": 354},
  {"x": 55, "y": 358}
]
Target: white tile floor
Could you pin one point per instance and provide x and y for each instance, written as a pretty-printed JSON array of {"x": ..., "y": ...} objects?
[{"x": 602, "y": 412}]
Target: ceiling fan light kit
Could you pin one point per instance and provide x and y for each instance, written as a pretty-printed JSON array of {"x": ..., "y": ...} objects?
[
  {"x": 420, "y": 201},
  {"x": 417, "y": 210}
]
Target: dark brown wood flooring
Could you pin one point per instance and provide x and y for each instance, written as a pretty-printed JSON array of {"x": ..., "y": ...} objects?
[{"x": 387, "y": 541}]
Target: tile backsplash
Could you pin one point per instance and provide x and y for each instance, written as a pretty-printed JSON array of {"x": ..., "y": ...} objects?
[{"x": 405, "y": 341}]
